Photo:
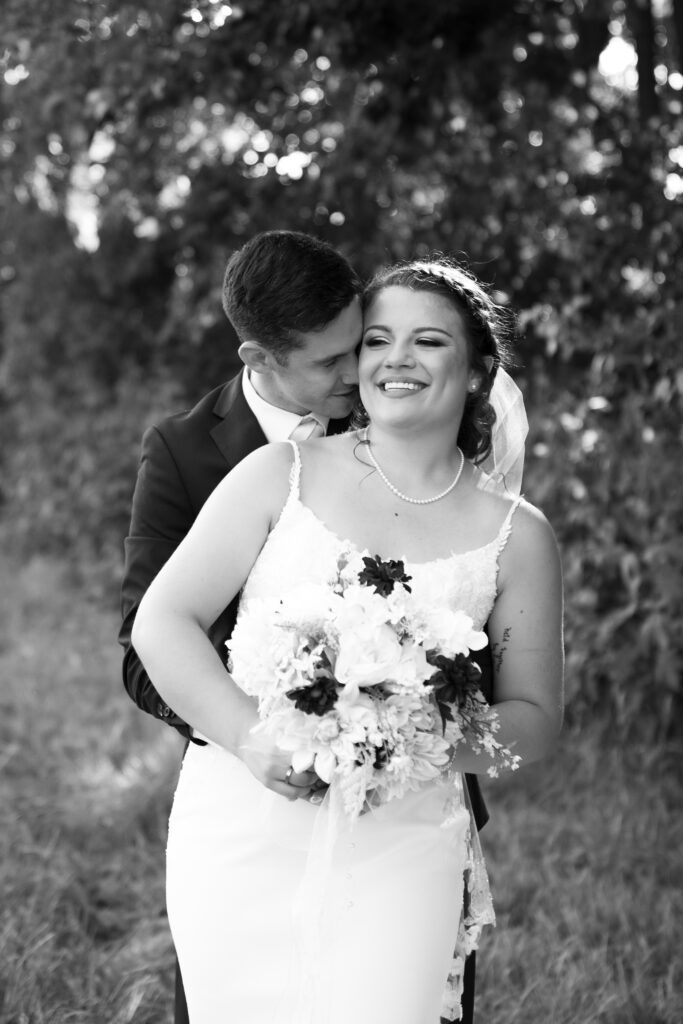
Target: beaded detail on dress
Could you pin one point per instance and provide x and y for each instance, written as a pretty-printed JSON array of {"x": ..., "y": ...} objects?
[{"x": 300, "y": 546}]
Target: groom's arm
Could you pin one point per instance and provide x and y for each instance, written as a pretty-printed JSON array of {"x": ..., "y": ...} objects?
[
  {"x": 485, "y": 661},
  {"x": 161, "y": 516}
]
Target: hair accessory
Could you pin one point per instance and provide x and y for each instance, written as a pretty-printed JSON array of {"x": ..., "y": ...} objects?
[
  {"x": 400, "y": 494},
  {"x": 504, "y": 465}
]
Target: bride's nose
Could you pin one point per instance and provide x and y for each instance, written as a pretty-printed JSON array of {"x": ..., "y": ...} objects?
[{"x": 399, "y": 354}]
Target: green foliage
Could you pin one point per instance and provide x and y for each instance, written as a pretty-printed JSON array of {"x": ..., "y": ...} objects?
[{"x": 475, "y": 128}]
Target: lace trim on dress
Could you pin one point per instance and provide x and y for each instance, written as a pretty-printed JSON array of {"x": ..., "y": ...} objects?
[
  {"x": 294, "y": 474},
  {"x": 477, "y": 912},
  {"x": 294, "y": 496},
  {"x": 504, "y": 532}
]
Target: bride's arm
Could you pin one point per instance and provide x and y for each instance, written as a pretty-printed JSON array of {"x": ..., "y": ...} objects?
[
  {"x": 525, "y": 633},
  {"x": 200, "y": 579}
]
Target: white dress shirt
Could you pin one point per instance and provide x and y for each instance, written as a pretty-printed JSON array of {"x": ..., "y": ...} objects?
[{"x": 277, "y": 424}]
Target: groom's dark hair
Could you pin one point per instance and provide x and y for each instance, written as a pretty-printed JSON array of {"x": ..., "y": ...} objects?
[{"x": 283, "y": 283}]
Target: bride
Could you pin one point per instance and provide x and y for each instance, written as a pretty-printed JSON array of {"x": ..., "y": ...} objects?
[{"x": 276, "y": 917}]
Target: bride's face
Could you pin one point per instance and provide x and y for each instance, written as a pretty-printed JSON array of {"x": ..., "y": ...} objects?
[{"x": 414, "y": 362}]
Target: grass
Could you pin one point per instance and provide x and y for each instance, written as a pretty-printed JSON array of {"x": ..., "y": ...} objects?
[{"x": 584, "y": 850}]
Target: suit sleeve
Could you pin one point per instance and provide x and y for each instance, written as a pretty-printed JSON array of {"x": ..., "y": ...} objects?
[
  {"x": 161, "y": 516},
  {"x": 479, "y": 809}
]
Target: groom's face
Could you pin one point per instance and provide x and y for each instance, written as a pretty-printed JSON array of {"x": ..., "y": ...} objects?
[{"x": 321, "y": 376}]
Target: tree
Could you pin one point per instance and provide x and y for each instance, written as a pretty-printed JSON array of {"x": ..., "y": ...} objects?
[
  {"x": 642, "y": 24},
  {"x": 140, "y": 146}
]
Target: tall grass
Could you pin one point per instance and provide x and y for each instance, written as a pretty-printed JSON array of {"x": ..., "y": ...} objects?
[
  {"x": 86, "y": 782},
  {"x": 584, "y": 850}
]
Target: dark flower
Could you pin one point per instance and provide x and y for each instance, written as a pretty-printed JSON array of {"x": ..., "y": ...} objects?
[
  {"x": 383, "y": 575},
  {"x": 382, "y": 755},
  {"x": 456, "y": 683},
  {"x": 316, "y": 699}
]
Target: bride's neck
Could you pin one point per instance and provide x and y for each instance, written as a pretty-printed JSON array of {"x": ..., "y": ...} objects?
[{"x": 422, "y": 454}]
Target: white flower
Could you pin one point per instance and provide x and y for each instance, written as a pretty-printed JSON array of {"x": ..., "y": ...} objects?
[
  {"x": 325, "y": 764},
  {"x": 328, "y": 728},
  {"x": 350, "y": 564},
  {"x": 413, "y": 668},
  {"x": 399, "y": 604},
  {"x": 450, "y": 632},
  {"x": 367, "y": 658},
  {"x": 301, "y": 736},
  {"x": 361, "y": 610},
  {"x": 260, "y": 653},
  {"x": 359, "y": 719}
]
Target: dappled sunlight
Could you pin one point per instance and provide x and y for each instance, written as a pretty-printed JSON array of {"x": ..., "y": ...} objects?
[{"x": 618, "y": 64}]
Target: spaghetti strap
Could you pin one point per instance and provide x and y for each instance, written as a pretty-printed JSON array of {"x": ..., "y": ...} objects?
[
  {"x": 504, "y": 532},
  {"x": 294, "y": 473}
]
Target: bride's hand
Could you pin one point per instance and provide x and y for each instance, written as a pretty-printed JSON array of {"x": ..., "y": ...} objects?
[{"x": 271, "y": 766}]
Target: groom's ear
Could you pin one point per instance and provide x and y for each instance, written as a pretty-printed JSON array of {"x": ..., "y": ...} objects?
[{"x": 255, "y": 356}]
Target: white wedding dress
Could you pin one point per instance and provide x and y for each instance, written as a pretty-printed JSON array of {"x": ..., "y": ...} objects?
[{"x": 376, "y": 944}]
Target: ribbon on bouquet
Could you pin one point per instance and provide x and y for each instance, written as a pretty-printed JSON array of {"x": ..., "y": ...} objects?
[
  {"x": 309, "y": 905},
  {"x": 312, "y": 902},
  {"x": 477, "y": 912}
]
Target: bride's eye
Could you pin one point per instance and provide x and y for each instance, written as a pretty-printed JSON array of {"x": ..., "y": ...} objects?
[
  {"x": 374, "y": 341},
  {"x": 430, "y": 342}
]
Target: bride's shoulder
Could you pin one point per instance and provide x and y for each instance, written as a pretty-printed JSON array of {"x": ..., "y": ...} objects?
[
  {"x": 531, "y": 540},
  {"x": 263, "y": 471},
  {"x": 332, "y": 448},
  {"x": 276, "y": 456},
  {"x": 529, "y": 525}
]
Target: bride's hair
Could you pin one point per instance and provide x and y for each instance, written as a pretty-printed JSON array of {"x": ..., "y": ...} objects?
[{"x": 486, "y": 326}]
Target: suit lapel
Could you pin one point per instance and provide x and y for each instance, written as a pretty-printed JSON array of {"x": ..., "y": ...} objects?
[{"x": 237, "y": 433}]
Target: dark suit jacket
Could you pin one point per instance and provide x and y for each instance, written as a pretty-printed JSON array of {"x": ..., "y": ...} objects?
[{"x": 183, "y": 459}]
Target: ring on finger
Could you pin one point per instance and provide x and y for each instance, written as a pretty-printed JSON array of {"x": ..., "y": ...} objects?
[{"x": 288, "y": 775}]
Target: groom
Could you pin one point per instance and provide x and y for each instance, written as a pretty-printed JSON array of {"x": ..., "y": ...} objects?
[{"x": 294, "y": 303}]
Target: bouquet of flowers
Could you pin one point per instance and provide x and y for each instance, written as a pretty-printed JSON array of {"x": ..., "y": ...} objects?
[{"x": 358, "y": 683}]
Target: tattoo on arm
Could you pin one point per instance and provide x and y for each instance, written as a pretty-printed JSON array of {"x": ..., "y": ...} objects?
[{"x": 499, "y": 649}]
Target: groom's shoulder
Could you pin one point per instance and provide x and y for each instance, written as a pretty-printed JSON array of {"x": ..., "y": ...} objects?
[{"x": 187, "y": 423}]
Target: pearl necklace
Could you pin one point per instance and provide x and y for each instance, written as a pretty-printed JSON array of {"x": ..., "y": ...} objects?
[{"x": 406, "y": 497}]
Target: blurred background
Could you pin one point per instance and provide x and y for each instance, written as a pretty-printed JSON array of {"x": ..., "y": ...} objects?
[{"x": 542, "y": 143}]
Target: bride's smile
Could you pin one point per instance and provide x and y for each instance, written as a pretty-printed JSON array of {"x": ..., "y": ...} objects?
[{"x": 400, "y": 386}]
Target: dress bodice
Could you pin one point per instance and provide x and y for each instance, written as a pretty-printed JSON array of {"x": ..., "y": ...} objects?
[{"x": 301, "y": 548}]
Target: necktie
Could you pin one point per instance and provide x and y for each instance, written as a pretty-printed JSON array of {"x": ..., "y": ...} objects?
[{"x": 307, "y": 427}]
